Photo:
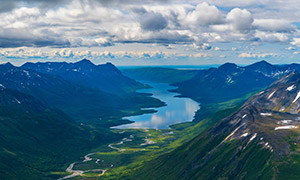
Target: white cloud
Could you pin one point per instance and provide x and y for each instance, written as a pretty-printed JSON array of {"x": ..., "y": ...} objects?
[
  {"x": 199, "y": 55},
  {"x": 296, "y": 42},
  {"x": 291, "y": 48},
  {"x": 276, "y": 25},
  {"x": 87, "y": 24},
  {"x": 194, "y": 46},
  {"x": 217, "y": 48},
  {"x": 271, "y": 36},
  {"x": 204, "y": 14},
  {"x": 254, "y": 55},
  {"x": 240, "y": 19}
]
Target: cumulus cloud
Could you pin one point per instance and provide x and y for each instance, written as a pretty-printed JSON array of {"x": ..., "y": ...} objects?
[
  {"x": 204, "y": 14},
  {"x": 93, "y": 23},
  {"x": 240, "y": 19},
  {"x": 153, "y": 22}
]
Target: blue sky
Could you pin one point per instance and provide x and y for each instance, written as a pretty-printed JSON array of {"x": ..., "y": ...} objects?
[{"x": 145, "y": 32}]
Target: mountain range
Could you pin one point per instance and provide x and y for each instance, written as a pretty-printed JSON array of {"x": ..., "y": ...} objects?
[
  {"x": 83, "y": 102},
  {"x": 230, "y": 81},
  {"x": 51, "y": 113},
  {"x": 46, "y": 121},
  {"x": 259, "y": 141},
  {"x": 105, "y": 77}
]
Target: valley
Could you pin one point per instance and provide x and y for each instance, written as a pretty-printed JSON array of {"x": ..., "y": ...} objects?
[
  {"x": 149, "y": 90},
  {"x": 147, "y": 126}
]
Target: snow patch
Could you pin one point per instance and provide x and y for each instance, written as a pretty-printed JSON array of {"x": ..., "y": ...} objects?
[
  {"x": 268, "y": 146},
  {"x": 231, "y": 134},
  {"x": 17, "y": 101},
  {"x": 261, "y": 92},
  {"x": 244, "y": 116},
  {"x": 265, "y": 114},
  {"x": 229, "y": 80},
  {"x": 285, "y": 127},
  {"x": 27, "y": 73},
  {"x": 271, "y": 94},
  {"x": 285, "y": 122},
  {"x": 252, "y": 138},
  {"x": 245, "y": 135},
  {"x": 281, "y": 109},
  {"x": 2, "y": 86},
  {"x": 297, "y": 97},
  {"x": 291, "y": 87}
]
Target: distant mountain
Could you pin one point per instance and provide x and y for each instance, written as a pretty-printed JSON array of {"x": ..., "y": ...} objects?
[
  {"x": 36, "y": 139},
  {"x": 259, "y": 141},
  {"x": 84, "y": 104},
  {"x": 159, "y": 74},
  {"x": 231, "y": 81},
  {"x": 105, "y": 77}
]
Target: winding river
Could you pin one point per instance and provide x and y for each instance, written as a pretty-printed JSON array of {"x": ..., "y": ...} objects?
[{"x": 177, "y": 110}]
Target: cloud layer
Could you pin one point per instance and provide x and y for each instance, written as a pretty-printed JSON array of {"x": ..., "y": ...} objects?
[
  {"x": 92, "y": 23},
  {"x": 207, "y": 30}
]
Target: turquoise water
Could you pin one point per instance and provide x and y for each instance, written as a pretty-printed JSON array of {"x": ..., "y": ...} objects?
[{"x": 177, "y": 110}]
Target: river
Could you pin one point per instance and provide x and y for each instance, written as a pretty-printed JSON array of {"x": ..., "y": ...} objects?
[{"x": 178, "y": 110}]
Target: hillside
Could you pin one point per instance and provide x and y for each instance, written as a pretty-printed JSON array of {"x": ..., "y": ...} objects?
[
  {"x": 82, "y": 103},
  {"x": 231, "y": 81},
  {"x": 36, "y": 139},
  {"x": 259, "y": 141}
]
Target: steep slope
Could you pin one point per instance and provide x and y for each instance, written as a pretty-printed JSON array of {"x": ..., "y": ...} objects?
[
  {"x": 259, "y": 141},
  {"x": 82, "y": 103},
  {"x": 231, "y": 81},
  {"x": 36, "y": 139},
  {"x": 105, "y": 77}
]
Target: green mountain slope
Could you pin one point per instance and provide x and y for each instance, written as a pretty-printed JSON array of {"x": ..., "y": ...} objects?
[
  {"x": 259, "y": 141},
  {"x": 36, "y": 139}
]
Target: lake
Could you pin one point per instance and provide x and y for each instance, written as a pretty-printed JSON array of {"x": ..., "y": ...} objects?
[{"x": 177, "y": 110}]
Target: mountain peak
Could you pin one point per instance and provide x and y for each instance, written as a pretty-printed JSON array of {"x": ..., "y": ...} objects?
[
  {"x": 260, "y": 64},
  {"x": 228, "y": 66},
  {"x": 8, "y": 64},
  {"x": 263, "y": 63},
  {"x": 85, "y": 61}
]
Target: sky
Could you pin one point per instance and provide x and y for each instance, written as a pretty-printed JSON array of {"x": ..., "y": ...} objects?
[{"x": 147, "y": 32}]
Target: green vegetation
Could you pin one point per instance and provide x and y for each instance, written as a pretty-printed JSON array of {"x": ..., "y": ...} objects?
[
  {"x": 127, "y": 162},
  {"x": 205, "y": 157}
]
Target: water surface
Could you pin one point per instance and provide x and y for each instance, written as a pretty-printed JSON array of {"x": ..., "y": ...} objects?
[{"x": 177, "y": 110}]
